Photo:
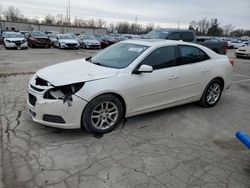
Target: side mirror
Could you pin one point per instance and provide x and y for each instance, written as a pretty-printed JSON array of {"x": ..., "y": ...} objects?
[{"x": 144, "y": 69}]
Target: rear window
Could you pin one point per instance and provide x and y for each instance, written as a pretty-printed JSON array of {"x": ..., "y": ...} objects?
[{"x": 187, "y": 36}]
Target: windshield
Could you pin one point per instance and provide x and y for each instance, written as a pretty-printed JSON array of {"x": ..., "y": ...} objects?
[
  {"x": 13, "y": 35},
  {"x": 66, "y": 37},
  {"x": 119, "y": 55},
  {"x": 38, "y": 34},
  {"x": 156, "y": 34},
  {"x": 87, "y": 37}
]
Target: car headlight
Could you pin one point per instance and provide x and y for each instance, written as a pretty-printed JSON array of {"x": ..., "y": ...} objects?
[
  {"x": 8, "y": 41},
  {"x": 24, "y": 40},
  {"x": 63, "y": 43},
  {"x": 63, "y": 92}
]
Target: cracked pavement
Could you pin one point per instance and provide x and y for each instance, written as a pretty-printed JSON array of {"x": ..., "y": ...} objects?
[{"x": 185, "y": 146}]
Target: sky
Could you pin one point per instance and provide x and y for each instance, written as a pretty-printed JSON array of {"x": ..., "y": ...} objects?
[{"x": 166, "y": 13}]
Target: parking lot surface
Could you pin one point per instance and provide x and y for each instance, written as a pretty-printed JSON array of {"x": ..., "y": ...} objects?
[{"x": 185, "y": 146}]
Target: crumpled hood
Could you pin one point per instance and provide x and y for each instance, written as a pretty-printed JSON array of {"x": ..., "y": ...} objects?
[
  {"x": 68, "y": 40},
  {"x": 75, "y": 71}
]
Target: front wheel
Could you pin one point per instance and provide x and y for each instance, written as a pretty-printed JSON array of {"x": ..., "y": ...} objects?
[
  {"x": 102, "y": 114},
  {"x": 212, "y": 94}
]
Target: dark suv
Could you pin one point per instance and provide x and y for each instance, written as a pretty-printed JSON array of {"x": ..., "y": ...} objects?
[{"x": 38, "y": 39}]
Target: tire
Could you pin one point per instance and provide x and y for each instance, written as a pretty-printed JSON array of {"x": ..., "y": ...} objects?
[
  {"x": 102, "y": 114},
  {"x": 84, "y": 46},
  {"x": 59, "y": 46},
  {"x": 212, "y": 94}
]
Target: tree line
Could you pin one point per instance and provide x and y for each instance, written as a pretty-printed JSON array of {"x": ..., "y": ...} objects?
[
  {"x": 12, "y": 13},
  {"x": 202, "y": 27},
  {"x": 213, "y": 28}
]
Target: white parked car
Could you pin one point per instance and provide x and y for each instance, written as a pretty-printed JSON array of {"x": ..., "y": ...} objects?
[
  {"x": 243, "y": 52},
  {"x": 129, "y": 78},
  {"x": 15, "y": 40},
  {"x": 235, "y": 44},
  {"x": 89, "y": 41},
  {"x": 66, "y": 41}
]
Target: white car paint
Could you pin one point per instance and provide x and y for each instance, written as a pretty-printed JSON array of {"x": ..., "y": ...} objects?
[
  {"x": 141, "y": 93},
  {"x": 236, "y": 44},
  {"x": 243, "y": 52}
]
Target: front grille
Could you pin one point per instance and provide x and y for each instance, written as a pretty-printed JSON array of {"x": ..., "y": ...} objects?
[
  {"x": 71, "y": 44},
  {"x": 32, "y": 99}
]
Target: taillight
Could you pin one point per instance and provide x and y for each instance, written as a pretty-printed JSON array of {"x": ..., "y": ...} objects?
[{"x": 232, "y": 62}]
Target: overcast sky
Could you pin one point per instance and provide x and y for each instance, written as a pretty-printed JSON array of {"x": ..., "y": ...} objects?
[{"x": 166, "y": 13}]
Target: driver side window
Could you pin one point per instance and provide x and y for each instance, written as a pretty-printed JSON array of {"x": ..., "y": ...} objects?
[{"x": 161, "y": 58}]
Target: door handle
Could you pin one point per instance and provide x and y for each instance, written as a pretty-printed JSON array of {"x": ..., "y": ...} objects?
[{"x": 172, "y": 76}]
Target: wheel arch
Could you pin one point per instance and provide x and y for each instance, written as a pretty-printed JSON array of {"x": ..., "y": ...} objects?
[
  {"x": 120, "y": 98},
  {"x": 221, "y": 80}
]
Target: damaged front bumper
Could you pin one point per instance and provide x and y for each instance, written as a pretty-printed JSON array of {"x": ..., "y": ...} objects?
[{"x": 55, "y": 112}]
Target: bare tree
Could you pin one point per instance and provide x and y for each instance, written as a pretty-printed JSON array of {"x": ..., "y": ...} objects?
[
  {"x": 1, "y": 9},
  {"x": 100, "y": 23},
  {"x": 12, "y": 14},
  {"x": 49, "y": 19},
  {"x": 35, "y": 20},
  {"x": 149, "y": 27},
  {"x": 203, "y": 25},
  {"x": 60, "y": 19},
  {"x": 227, "y": 29},
  {"x": 91, "y": 23}
]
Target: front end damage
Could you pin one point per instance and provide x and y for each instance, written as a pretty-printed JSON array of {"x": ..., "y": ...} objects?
[{"x": 55, "y": 106}]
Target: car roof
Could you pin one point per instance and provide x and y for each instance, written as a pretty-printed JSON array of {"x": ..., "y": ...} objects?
[
  {"x": 173, "y": 30},
  {"x": 155, "y": 42}
]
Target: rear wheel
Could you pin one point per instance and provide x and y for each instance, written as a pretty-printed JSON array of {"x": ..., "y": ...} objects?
[
  {"x": 212, "y": 93},
  {"x": 102, "y": 114}
]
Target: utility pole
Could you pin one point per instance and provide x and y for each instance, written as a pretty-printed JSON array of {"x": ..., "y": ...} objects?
[
  {"x": 136, "y": 18},
  {"x": 69, "y": 11},
  {"x": 67, "y": 14}
]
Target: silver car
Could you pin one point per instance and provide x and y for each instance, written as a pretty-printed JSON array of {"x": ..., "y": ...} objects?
[{"x": 88, "y": 41}]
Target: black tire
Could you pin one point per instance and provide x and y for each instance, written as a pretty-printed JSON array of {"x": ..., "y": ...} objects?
[
  {"x": 205, "y": 100},
  {"x": 59, "y": 46},
  {"x": 87, "y": 120}
]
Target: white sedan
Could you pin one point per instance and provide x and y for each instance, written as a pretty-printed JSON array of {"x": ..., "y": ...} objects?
[
  {"x": 243, "y": 52},
  {"x": 129, "y": 78},
  {"x": 66, "y": 41},
  {"x": 15, "y": 40}
]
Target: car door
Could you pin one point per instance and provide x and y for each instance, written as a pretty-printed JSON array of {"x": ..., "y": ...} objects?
[
  {"x": 193, "y": 66},
  {"x": 158, "y": 88}
]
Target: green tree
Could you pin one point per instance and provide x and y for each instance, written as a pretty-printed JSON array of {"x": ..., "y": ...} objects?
[{"x": 215, "y": 30}]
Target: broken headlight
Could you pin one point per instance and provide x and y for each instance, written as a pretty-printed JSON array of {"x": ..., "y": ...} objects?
[{"x": 63, "y": 92}]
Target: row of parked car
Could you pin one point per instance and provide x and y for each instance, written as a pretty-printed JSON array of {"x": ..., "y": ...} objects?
[{"x": 23, "y": 40}]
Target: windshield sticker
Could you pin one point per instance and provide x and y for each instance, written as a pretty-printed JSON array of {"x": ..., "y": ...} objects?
[{"x": 133, "y": 49}]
